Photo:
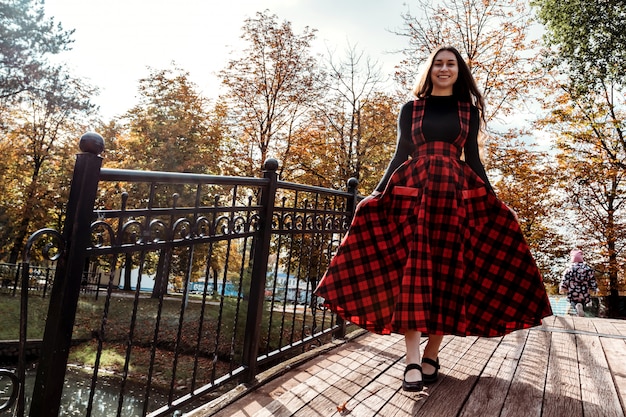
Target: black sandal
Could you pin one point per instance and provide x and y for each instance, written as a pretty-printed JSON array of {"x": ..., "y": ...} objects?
[
  {"x": 412, "y": 386},
  {"x": 430, "y": 378}
]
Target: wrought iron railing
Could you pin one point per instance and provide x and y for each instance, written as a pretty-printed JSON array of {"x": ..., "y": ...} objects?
[
  {"x": 208, "y": 281},
  {"x": 40, "y": 280}
]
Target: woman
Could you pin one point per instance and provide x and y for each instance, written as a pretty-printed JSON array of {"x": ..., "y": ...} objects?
[{"x": 433, "y": 250}]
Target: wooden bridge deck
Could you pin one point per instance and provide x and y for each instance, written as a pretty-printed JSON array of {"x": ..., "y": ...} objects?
[{"x": 570, "y": 367}]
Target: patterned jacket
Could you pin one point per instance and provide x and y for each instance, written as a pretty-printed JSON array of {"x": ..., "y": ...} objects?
[{"x": 577, "y": 280}]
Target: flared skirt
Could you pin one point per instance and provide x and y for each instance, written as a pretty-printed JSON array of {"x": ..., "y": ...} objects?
[{"x": 437, "y": 252}]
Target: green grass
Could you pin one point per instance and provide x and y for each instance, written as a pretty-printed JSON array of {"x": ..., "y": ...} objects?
[
  {"x": 10, "y": 317},
  {"x": 216, "y": 352},
  {"x": 86, "y": 354}
]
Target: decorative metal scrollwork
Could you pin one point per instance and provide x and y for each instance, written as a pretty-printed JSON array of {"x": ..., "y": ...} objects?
[
  {"x": 157, "y": 231},
  {"x": 204, "y": 227},
  {"x": 254, "y": 222},
  {"x": 15, "y": 388},
  {"x": 182, "y": 229},
  {"x": 222, "y": 225},
  {"x": 48, "y": 243},
  {"x": 131, "y": 232},
  {"x": 151, "y": 226},
  {"x": 102, "y": 234},
  {"x": 320, "y": 222},
  {"x": 239, "y": 225},
  {"x": 310, "y": 215},
  {"x": 286, "y": 221},
  {"x": 309, "y": 221}
]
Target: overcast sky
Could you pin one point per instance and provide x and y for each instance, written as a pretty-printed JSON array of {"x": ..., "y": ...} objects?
[{"x": 116, "y": 40}]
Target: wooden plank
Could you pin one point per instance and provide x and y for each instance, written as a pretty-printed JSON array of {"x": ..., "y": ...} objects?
[
  {"x": 407, "y": 403},
  {"x": 289, "y": 400},
  {"x": 599, "y": 397},
  {"x": 525, "y": 395},
  {"x": 620, "y": 325},
  {"x": 355, "y": 353},
  {"x": 615, "y": 353},
  {"x": 607, "y": 326},
  {"x": 460, "y": 380},
  {"x": 563, "y": 322},
  {"x": 570, "y": 366},
  {"x": 548, "y": 321},
  {"x": 341, "y": 395},
  {"x": 378, "y": 394},
  {"x": 246, "y": 399},
  {"x": 380, "y": 390},
  {"x": 584, "y": 324},
  {"x": 265, "y": 394},
  {"x": 562, "y": 396},
  {"x": 385, "y": 391},
  {"x": 489, "y": 394}
]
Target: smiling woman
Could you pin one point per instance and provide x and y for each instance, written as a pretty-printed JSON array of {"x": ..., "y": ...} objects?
[
  {"x": 433, "y": 250},
  {"x": 444, "y": 73}
]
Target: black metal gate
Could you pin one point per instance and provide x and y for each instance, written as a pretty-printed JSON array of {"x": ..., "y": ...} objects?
[{"x": 206, "y": 281}]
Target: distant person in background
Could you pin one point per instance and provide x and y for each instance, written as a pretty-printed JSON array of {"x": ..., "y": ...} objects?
[{"x": 578, "y": 279}]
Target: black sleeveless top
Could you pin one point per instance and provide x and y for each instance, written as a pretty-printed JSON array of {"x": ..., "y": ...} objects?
[{"x": 440, "y": 123}]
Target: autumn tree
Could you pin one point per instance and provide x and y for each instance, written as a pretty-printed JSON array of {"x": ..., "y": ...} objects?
[
  {"x": 588, "y": 38},
  {"x": 43, "y": 110},
  {"x": 596, "y": 193},
  {"x": 170, "y": 129},
  {"x": 526, "y": 181},
  {"x": 493, "y": 36},
  {"x": 352, "y": 130},
  {"x": 586, "y": 112},
  {"x": 269, "y": 87},
  {"x": 591, "y": 159},
  {"x": 27, "y": 40},
  {"x": 46, "y": 119}
]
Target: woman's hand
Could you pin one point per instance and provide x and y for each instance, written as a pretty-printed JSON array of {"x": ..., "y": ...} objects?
[
  {"x": 369, "y": 197},
  {"x": 514, "y": 213}
]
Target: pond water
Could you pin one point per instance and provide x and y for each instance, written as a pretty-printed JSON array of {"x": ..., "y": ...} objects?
[{"x": 105, "y": 402}]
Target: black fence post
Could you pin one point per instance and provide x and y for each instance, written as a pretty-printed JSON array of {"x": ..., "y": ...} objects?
[
  {"x": 259, "y": 272},
  {"x": 21, "y": 361},
  {"x": 48, "y": 387},
  {"x": 353, "y": 200},
  {"x": 351, "y": 204}
]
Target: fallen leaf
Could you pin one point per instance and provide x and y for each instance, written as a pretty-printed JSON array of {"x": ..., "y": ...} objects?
[{"x": 343, "y": 409}]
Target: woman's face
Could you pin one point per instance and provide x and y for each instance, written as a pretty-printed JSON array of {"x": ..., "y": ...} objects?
[{"x": 444, "y": 73}]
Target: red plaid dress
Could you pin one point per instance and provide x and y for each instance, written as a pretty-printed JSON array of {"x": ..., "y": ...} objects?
[{"x": 436, "y": 252}]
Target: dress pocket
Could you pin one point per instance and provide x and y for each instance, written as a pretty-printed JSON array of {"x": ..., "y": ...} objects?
[
  {"x": 403, "y": 203},
  {"x": 476, "y": 203}
]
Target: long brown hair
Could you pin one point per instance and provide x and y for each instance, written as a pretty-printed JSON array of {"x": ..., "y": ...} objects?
[{"x": 464, "y": 88}]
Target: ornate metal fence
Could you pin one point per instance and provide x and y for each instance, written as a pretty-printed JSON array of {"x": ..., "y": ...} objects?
[
  {"x": 40, "y": 280},
  {"x": 208, "y": 280}
]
